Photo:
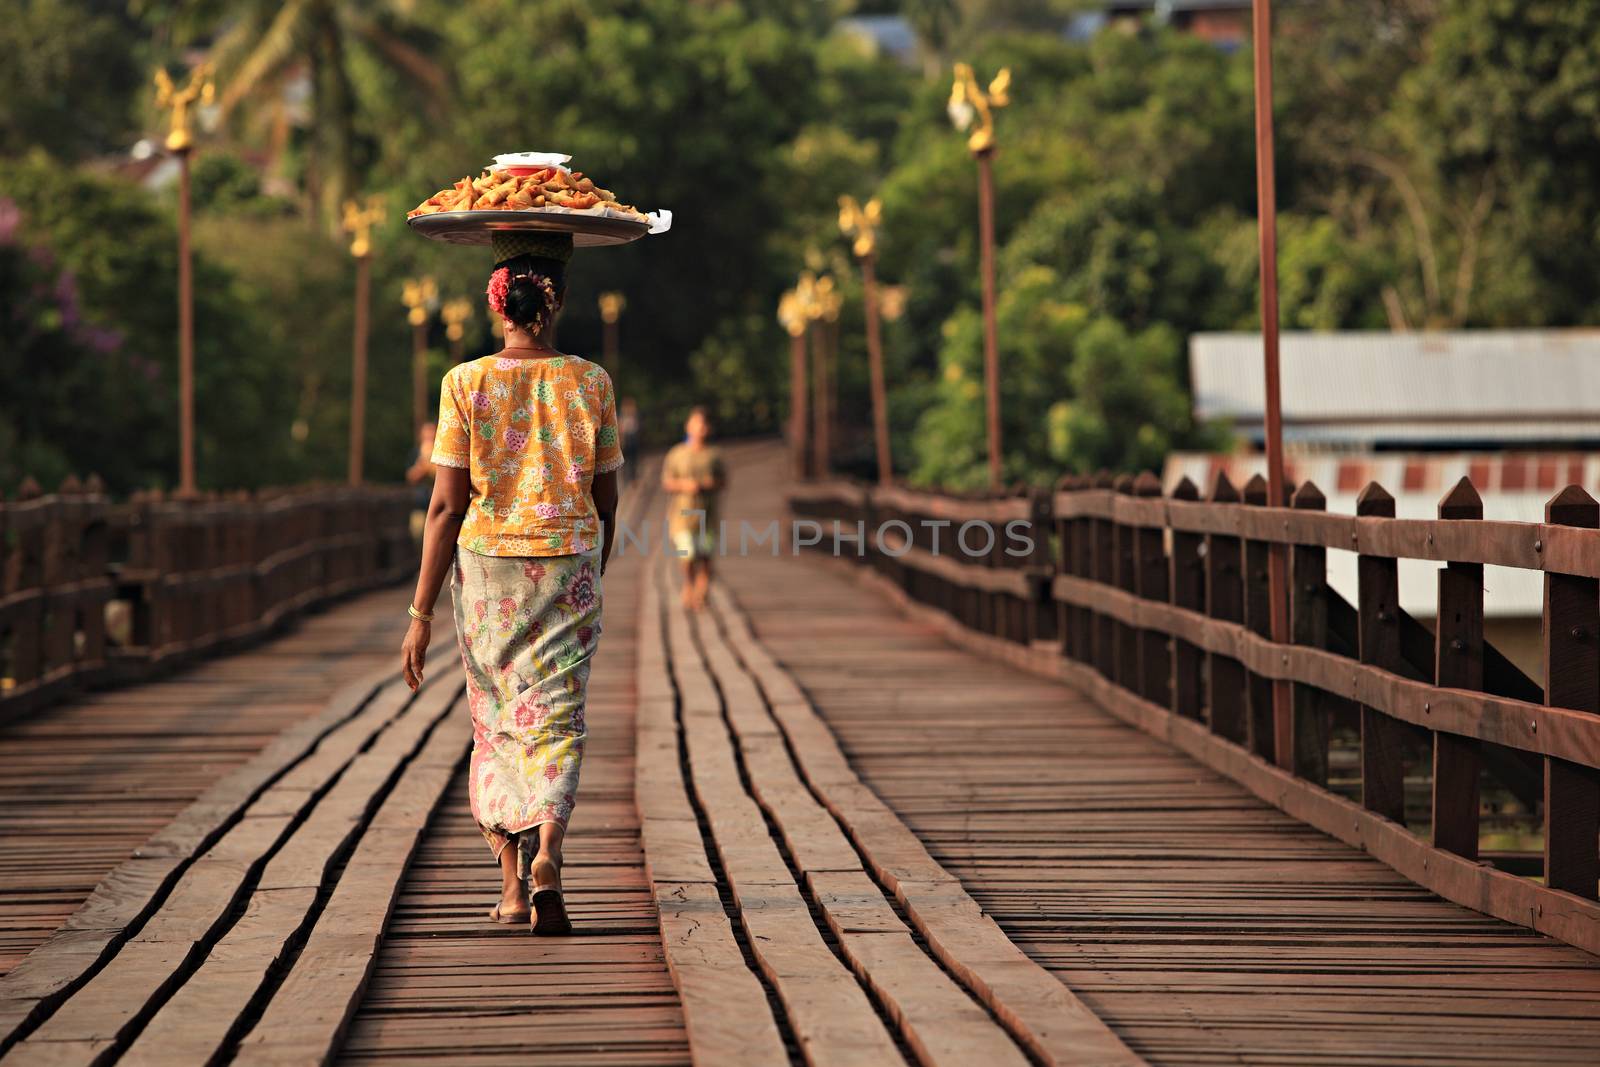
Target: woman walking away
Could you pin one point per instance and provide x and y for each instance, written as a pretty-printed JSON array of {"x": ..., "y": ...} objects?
[{"x": 522, "y": 519}]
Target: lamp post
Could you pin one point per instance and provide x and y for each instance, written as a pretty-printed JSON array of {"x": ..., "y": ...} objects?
[
  {"x": 456, "y": 313},
  {"x": 820, "y": 293},
  {"x": 420, "y": 295},
  {"x": 1267, "y": 215},
  {"x": 612, "y": 305},
  {"x": 861, "y": 223},
  {"x": 968, "y": 102},
  {"x": 358, "y": 222},
  {"x": 792, "y": 316},
  {"x": 180, "y": 142}
]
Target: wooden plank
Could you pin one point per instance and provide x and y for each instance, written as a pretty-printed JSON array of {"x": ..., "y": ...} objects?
[
  {"x": 1040, "y": 1013},
  {"x": 196, "y": 912},
  {"x": 1258, "y": 619},
  {"x": 1383, "y": 741},
  {"x": 310, "y": 1010},
  {"x": 725, "y": 1008},
  {"x": 1227, "y": 696},
  {"x": 1572, "y": 680},
  {"x": 933, "y": 1014},
  {"x": 825, "y": 1006},
  {"x": 1308, "y": 625},
  {"x": 129, "y": 893},
  {"x": 1458, "y": 664},
  {"x": 209, "y": 1010}
]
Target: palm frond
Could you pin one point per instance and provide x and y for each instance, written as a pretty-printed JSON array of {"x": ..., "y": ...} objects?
[
  {"x": 405, "y": 57},
  {"x": 277, "y": 44}
]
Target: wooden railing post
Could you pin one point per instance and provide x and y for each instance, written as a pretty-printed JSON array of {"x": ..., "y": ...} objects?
[
  {"x": 1308, "y": 625},
  {"x": 1225, "y": 601},
  {"x": 1258, "y": 619},
  {"x": 1041, "y": 566},
  {"x": 1187, "y": 580},
  {"x": 1105, "y": 656},
  {"x": 1571, "y": 680},
  {"x": 1066, "y": 549},
  {"x": 1378, "y": 635},
  {"x": 1458, "y": 664},
  {"x": 1151, "y": 582},
  {"x": 1125, "y": 637},
  {"x": 1082, "y": 619}
]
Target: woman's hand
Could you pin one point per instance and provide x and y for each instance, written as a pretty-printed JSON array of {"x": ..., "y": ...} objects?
[{"x": 414, "y": 652}]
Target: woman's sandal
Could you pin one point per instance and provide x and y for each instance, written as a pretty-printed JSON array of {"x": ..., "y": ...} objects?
[
  {"x": 549, "y": 910},
  {"x": 509, "y": 918}
]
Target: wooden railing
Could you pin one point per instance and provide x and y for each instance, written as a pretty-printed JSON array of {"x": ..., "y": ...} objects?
[
  {"x": 1159, "y": 606},
  {"x": 93, "y": 591}
]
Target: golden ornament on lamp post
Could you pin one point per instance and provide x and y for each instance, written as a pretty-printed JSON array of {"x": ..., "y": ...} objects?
[
  {"x": 180, "y": 141},
  {"x": 861, "y": 223},
  {"x": 612, "y": 305},
  {"x": 822, "y": 309},
  {"x": 456, "y": 314},
  {"x": 792, "y": 316},
  {"x": 358, "y": 223},
  {"x": 420, "y": 295},
  {"x": 969, "y": 103}
]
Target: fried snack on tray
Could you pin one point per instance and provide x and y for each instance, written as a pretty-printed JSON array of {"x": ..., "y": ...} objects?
[{"x": 546, "y": 187}]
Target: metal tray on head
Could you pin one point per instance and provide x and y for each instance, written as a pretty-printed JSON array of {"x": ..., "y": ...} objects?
[{"x": 477, "y": 227}]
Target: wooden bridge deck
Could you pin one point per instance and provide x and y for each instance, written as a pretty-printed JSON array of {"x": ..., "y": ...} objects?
[
  {"x": 1204, "y": 925},
  {"x": 135, "y": 756},
  {"x": 810, "y": 830}
]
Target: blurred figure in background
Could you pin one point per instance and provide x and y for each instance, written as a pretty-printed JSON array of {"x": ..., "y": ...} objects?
[
  {"x": 420, "y": 477},
  {"x": 693, "y": 472},
  {"x": 628, "y": 427}
]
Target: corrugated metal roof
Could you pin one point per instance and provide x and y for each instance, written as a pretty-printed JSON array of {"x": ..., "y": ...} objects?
[
  {"x": 1176, "y": 5},
  {"x": 1500, "y": 377}
]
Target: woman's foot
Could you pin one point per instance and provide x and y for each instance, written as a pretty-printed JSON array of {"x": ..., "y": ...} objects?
[
  {"x": 513, "y": 906},
  {"x": 549, "y": 909}
]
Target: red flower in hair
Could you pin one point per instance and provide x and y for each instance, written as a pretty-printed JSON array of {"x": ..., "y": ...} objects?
[{"x": 499, "y": 286}]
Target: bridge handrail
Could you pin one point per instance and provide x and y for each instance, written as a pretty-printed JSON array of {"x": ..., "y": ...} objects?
[
  {"x": 1159, "y": 605},
  {"x": 185, "y": 575}
]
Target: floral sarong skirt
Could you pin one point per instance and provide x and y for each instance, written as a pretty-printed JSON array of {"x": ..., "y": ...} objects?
[{"x": 527, "y": 627}]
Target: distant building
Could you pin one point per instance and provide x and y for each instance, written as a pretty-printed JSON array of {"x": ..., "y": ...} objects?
[
  {"x": 1370, "y": 391},
  {"x": 1516, "y": 412},
  {"x": 1225, "y": 23},
  {"x": 885, "y": 35}
]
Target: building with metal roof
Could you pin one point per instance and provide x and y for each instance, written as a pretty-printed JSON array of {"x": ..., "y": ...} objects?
[{"x": 1376, "y": 391}]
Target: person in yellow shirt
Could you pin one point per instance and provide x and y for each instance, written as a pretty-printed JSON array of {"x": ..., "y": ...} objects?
[
  {"x": 693, "y": 472},
  {"x": 521, "y": 519}
]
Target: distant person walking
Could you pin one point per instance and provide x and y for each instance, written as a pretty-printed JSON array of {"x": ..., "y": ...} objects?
[
  {"x": 420, "y": 477},
  {"x": 628, "y": 425},
  {"x": 522, "y": 518},
  {"x": 693, "y": 472}
]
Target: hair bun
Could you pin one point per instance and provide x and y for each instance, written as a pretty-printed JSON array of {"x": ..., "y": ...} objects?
[{"x": 526, "y": 290}]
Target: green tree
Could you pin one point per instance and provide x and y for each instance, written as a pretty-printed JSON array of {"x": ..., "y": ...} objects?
[
  {"x": 71, "y": 77},
  {"x": 259, "y": 47}
]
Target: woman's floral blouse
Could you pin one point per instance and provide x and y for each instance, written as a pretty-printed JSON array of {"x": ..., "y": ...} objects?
[{"x": 533, "y": 433}]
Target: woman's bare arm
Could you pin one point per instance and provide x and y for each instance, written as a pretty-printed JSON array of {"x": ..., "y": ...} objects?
[
  {"x": 603, "y": 490},
  {"x": 451, "y": 490}
]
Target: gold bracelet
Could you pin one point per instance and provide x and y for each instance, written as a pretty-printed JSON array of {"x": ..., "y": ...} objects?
[{"x": 419, "y": 616}]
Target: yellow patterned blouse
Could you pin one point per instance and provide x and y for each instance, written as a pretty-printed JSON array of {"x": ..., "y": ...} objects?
[{"x": 533, "y": 433}]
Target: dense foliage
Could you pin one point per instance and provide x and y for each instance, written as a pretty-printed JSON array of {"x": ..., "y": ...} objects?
[{"x": 1436, "y": 171}]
